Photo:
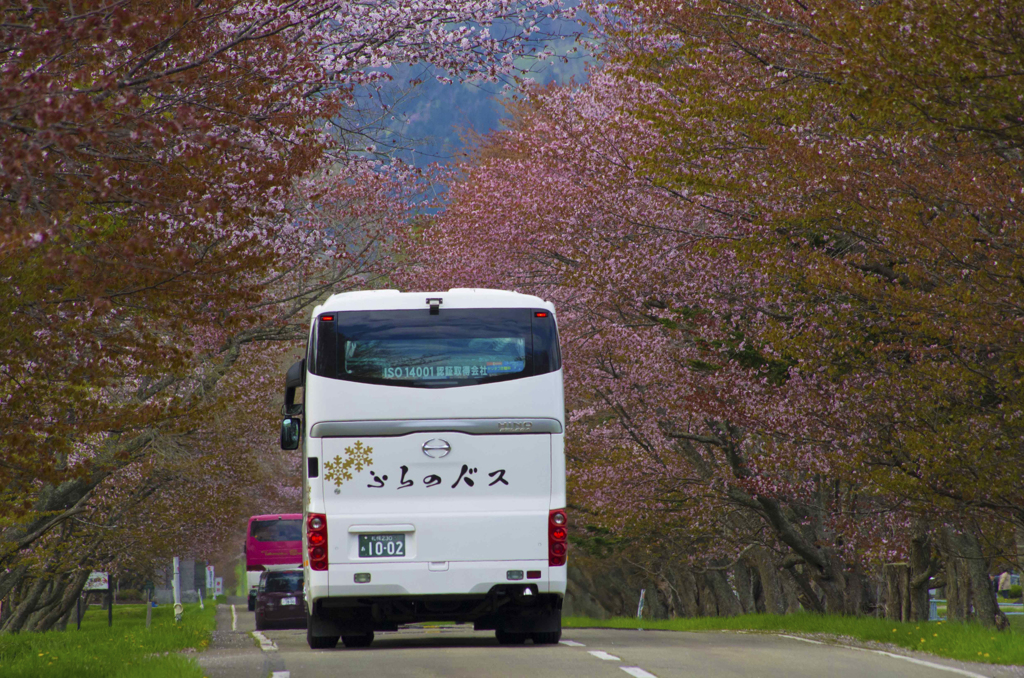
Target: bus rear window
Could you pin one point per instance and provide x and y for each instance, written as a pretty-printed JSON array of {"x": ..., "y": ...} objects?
[
  {"x": 456, "y": 347},
  {"x": 276, "y": 530}
]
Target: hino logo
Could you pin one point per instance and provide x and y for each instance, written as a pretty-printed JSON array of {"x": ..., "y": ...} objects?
[
  {"x": 435, "y": 448},
  {"x": 514, "y": 426}
]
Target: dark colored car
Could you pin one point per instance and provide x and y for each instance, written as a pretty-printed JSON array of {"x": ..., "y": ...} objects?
[
  {"x": 279, "y": 602},
  {"x": 252, "y": 598}
]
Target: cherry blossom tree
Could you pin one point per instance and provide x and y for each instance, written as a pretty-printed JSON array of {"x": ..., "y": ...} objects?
[
  {"x": 181, "y": 183},
  {"x": 784, "y": 248},
  {"x": 889, "y": 171},
  {"x": 684, "y": 430}
]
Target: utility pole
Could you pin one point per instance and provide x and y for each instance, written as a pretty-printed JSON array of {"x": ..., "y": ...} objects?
[{"x": 176, "y": 583}]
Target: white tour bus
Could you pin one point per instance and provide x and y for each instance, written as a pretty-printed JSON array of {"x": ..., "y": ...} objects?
[{"x": 432, "y": 434}]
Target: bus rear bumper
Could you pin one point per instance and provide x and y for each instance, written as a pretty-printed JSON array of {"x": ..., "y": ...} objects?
[
  {"x": 433, "y": 579},
  {"x": 490, "y": 595}
]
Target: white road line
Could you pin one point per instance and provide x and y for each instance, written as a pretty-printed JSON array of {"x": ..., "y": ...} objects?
[
  {"x": 912, "y": 660},
  {"x": 281, "y": 674},
  {"x": 234, "y": 619},
  {"x": 571, "y": 643},
  {"x": 922, "y": 662},
  {"x": 637, "y": 672},
  {"x": 266, "y": 644},
  {"x": 806, "y": 640},
  {"x": 600, "y": 654}
]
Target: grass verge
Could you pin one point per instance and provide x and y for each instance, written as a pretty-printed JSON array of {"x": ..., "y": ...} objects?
[
  {"x": 241, "y": 583},
  {"x": 966, "y": 642},
  {"x": 1013, "y": 615},
  {"x": 126, "y": 650}
]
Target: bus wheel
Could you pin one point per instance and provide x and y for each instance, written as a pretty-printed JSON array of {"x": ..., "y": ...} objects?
[
  {"x": 510, "y": 638},
  {"x": 320, "y": 642},
  {"x": 362, "y": 640},
  {"x": 547, "y": 637}
]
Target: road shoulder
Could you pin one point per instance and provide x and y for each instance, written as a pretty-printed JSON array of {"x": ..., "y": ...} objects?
[{"x": 233, "y": 652}]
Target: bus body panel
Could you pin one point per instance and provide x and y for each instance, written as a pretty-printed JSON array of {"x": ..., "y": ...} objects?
[
  {"x": 276, "y": 551},
  {"x": 263, "y": 555},
  {"x": 333, "y": 400},
  {"x": 473, "y": 517}
]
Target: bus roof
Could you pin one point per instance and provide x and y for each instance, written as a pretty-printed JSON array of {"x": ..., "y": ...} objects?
[
  {"x": 393, "y": 300},
  {"x": 276, "y": 516}
]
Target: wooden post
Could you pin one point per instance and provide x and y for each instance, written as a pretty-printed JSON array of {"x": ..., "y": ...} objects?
[
  {"x": 78, "y": 609},
  {"x": 110, "y": 607},
  {"x": 149, "y": 606}
]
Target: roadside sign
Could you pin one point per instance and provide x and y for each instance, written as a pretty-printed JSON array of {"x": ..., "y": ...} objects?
[
  {"x": 97, "y": 581},
  {"x": 218, "y": 586},
  {"x": 209, "y": 577}
]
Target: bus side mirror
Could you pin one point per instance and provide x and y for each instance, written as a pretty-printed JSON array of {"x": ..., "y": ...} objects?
[
  {"x": 295, "y": 378},
  {"x": 290, "y": 433}
]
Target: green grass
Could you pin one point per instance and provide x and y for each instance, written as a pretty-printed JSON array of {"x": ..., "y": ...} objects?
[
  {"x": 1016, "y": 620},
  {"x": 241, "y": 589},
  {"x": 966, "y": 642},
  {"x": 127, "y": 650}
]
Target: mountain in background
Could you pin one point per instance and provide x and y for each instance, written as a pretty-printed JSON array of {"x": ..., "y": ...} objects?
[{"x": 426, "y": 120}]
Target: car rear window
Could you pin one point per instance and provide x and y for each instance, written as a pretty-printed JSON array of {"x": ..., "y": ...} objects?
[
  {"x": 454, "y": 347},
  {"x": 283, "y": 582}
]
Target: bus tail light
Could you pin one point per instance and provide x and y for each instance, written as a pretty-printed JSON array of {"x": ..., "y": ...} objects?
[
  {"x": 557, "y": 537},
  {"x": 316, "y": 540}
]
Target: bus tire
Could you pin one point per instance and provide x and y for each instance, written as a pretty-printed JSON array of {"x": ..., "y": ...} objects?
[
  {"x": 547, "y": 637},
  {"x": 361, "y": 640},
  {"x": 509, "y": 637},
  {"x": 320, "y": 642}
]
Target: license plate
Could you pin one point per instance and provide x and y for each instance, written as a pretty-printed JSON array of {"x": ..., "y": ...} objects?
[
  {"x": 381, "y": 545},
  {"x": 288, "y": 601}
]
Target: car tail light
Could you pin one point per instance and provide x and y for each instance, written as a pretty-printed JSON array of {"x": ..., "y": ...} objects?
[
  {"x": 557, "y": 536},
  {"x": 316, "y": 540}
]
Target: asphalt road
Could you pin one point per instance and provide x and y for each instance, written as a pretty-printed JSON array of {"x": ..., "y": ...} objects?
[{"x": 460, "y": 652}]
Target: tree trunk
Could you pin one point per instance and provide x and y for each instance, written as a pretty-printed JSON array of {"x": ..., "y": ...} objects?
[
  {"x": 744, "y": 578},
  {"x": 72, "y": 588},
  {"x": 1019, "y": 533},
  {"x": 922, "y": 569},
  {"x": 790, "y": 591},
  {"x": 686, "y": 586},
  {"x": 897, "y": 591},
  {"x": 25, "y": 607},
  {"x": 726, "y": 602},
  {"x": 10, "y": 580},
  {"x": 985, "y": 604},
  {"x": 668, "y": 594},
  {"x": 840, "y": 595},
  {"x": 858, "y": 592},
  {"x": 969, "y": 589},
  {"x": 706, "y": 597},
  {"x": 804, "y": 591},
  {"x": 771, "y": 583}
]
